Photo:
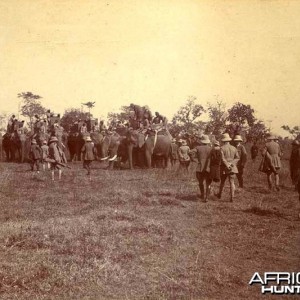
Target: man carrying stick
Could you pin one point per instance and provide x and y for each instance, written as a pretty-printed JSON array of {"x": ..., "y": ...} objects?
[{"x": 56, "y": 157}]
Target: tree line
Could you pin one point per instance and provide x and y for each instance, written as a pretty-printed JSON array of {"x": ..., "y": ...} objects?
[{"x": 192, "y": 117}]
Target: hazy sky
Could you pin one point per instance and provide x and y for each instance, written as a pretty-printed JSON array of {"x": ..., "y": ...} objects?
[{"x": 152, "y": 52}]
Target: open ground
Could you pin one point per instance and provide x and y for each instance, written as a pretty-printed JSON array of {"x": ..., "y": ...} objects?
[{"x": 141, "y": 234}]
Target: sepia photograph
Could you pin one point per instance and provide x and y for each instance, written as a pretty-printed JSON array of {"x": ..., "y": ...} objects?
[{"x": 149, "y": 149}]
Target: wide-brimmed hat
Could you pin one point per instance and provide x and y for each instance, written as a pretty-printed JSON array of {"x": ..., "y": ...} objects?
[
  {"x": 180, "y": 140},
  {"x": 33, "y": 141},
  {"x": 173, "y": 140},
  {"x": 216, "y": 143},
  {"x": 238, "y": 138},
  {"x": 225, "y": 137},
  {"x": 272, "y": 137},
  {"x": 88, "y": 139},
  {"x": 184, "y": 143},
  {"x": 204, "y": 139},
  {"x": 53, "y": 139}
]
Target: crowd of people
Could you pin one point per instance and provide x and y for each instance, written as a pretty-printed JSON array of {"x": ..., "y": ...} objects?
[{"x": 218, "y": 162}]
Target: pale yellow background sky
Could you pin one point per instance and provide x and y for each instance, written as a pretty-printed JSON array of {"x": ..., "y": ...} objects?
[{"x": 152, "y": 52}]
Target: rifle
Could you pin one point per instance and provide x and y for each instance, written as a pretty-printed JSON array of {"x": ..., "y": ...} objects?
[{"x": 59, "y": 163}]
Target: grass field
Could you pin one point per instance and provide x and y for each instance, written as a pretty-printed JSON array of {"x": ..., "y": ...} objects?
[{"x": 140, "y": 234}]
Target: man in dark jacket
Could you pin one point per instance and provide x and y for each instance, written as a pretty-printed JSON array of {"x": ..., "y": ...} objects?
[
  {"x": 35, "y": 155},
  {"x": 88, "y": 154},
  {"x": 203, "y": 169}
]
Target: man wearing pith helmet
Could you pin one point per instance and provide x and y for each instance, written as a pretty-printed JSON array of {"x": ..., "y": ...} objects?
[
  {"x": 88, "y": 152},
  {"x": 203, "y": 152},
  {"x": 243, "y": 159},
  {"x": 273, "y": 152},
  {"x": 55, "y": 155},
  {"x": 230, "y": 158}
]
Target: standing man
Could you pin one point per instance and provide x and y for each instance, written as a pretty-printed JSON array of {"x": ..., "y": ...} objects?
[
  {"x": 273, "y": 153},
  {"x": 183, "y": 155},
  {"x": 173, "y": 152},
  {"x": 88, "y": 154},
  {"x": 35, "y": 155},
  {"x": 45, "y": 154},
  {"x": 294, "y": 167},
  {"x": 203, "y": 152},
  {"x": 230, "y": 158},
  {"x": 243, "y": 159},
  {"x": 56, "y": 157},
  {"x": 254, "y": 151}
]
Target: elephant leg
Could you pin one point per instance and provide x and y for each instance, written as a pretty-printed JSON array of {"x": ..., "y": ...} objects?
[
  {"x": 148, "y": 155},
  {"x": 130, "y": 150}
]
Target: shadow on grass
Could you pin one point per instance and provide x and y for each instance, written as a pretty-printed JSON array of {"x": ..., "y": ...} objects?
[
  {"x": 189, "y": 197},
  {"x": 255, "y": 210},
  {"x": 259, "y": 190}
]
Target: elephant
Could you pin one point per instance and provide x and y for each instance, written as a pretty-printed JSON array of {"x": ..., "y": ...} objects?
[
  {"x": 157, "y": 145},
  {"x": 107, "y": 146},
  {"x": 147, "y": 145},
  {"x": 75, "y": 142},
  {"x": 16, "y": 142}
]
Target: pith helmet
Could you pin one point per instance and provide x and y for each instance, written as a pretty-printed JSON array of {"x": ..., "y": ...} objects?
[
  {"x": 216, "y": 143},
  {"x": 238, "y": 138},
  {"x": 183, "y": 143},
  {"x": 225, "y": 137},
  {"x": 88, "y": 139},
  {"x": 53, "y": 139},
  {"x": 271, "y": 137},
  {"x": 33, "y": 141},
  {"x": 205, "y": 139}
]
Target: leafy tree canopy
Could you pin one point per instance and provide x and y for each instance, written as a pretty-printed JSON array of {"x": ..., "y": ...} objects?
[
  {"x": 71, "y": 115},
  {"x": 188, "y": 115}
]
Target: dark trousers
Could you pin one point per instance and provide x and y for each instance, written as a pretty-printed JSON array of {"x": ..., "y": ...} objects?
[
  {"x": 87, "y": 165},
  {"x": 240, "y": 176},
  {"x": 35, "y": 162},
  {"x": 204, "y": 176}
]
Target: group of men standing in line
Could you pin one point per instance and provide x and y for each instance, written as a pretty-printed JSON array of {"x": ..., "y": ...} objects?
[{"x": 217, "y": 163}]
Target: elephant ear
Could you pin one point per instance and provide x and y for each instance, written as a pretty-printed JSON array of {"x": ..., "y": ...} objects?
[{"x": 140, "y": 140}]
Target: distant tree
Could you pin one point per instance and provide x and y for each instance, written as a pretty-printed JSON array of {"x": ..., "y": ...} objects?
[
  {"x": 71, "y": 115},
  {"x": 3, "y": 121},
  {"x": 295, "y": 131},
  {"x": 217, "y": 118},
  {"x": 257, "y": 131},
  {"x": 122, "y": 116},
  {"x": 31, "y": 106},
  {"x": 240, "y": 118},
  {"x": 188, "y": 115},
  {"x": 90, "y": 105}
]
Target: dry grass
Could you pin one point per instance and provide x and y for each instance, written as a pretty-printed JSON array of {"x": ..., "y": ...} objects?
[{"x": 140, "y": 234}]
